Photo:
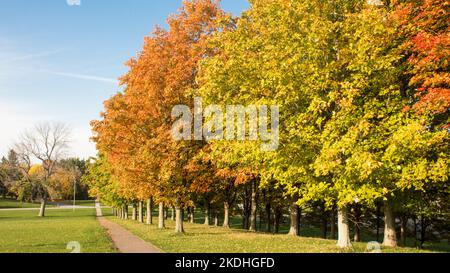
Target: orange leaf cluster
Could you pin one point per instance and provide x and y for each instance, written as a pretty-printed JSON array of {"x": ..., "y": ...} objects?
[
  {"x": 427, "y": 28},
  {"x": 135, "y": 130}
]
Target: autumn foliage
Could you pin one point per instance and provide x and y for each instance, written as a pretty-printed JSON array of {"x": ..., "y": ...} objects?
[
  {"x": 426, "y": 28},
  {"x": 364, "y": 96}
]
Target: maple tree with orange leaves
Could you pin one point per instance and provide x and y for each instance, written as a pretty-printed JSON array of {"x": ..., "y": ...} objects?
[
  {"x": 426, "y": 27},
  {"x": 135, "y": 132}
]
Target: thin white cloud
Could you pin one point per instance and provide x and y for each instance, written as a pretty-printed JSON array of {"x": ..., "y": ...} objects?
[
  {"x": 33, "y": 56},
  {"x": 15, "y": 64},
  {"x": 85, "y": 77}
]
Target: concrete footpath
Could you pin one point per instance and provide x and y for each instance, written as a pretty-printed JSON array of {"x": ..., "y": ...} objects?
[{"x": 124, "y": 240}]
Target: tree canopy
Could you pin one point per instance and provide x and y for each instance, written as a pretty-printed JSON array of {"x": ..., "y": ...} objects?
[{"x": 362, "y": 89}]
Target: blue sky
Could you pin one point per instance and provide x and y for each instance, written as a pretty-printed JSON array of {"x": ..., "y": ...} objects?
[{"x": 59, "y": 62}]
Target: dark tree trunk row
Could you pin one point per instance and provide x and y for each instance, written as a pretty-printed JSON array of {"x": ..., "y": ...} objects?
[{"x": 272, "y": 215}]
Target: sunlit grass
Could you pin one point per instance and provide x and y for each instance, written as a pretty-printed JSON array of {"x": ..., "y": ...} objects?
[
  {"x": 23, "y": 232},
  {"x": 207, "y": 239},
  {"x": 13, "y": 204}
]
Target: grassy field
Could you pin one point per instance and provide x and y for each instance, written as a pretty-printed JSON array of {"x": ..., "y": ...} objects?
[
  {"x": 23, "y": 232},
  {"x": 202, "y": 239},
  {"x": 14, "y": 204},
  {"x": 82, "y": 203},
  {"x": 26, "y": 233}
]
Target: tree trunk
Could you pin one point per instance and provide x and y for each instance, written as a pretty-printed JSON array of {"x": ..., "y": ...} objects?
[
  {"x": 294, "y": 210},
  {"x": 324, "y": 227},
  {"x": 125, "y": 212},
  {"x": 277, "y": 220},
  {"x": 172, "y": 214},
  {"x": 378, "y": 221},
  {"x": 134, "y": 213},
  {"x": 161, "y": 217},
  {"x": 178, "y": 217},
  {"x": 226, "y": 215},
  {"x": 333, "y": 224},
  {"x": 149, "y": 211},
  {"x": 415, "y": 231},
  {"x": 260, "y": 219},
  {"x": 43, "y": 206},
  {"x": 343, "y": 229},
  {"x": 357, "y": 237},
  {"x": 390, "y": 237},
  {"x": 268, "y": 217},
  {"x": 216, "y": 218},
  {"x": 179, "y": 220},
  {"x": 246, "y": 208},
  {"x": 403, "y": 230},
  {"x": 245, "y": 219},
  {"x": 254, "y": 206},
  {"x": 193, "y": 215},
  {"x": 423, "y": 228},
  {"x": 141, "y": 212},
  {"x": 207, "y": 207},
  {"x": 324, "y": 222},
  {"x": 188, "y": 214}
]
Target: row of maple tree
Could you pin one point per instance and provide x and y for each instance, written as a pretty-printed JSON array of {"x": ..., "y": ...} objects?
[{"x": 363, "y": 89}]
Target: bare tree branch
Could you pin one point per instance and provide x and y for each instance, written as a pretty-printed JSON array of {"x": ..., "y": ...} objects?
[{"x": 47, "y": 142}]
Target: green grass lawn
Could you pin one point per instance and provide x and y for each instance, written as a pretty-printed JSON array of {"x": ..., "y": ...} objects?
[
  {"x": 202, "y": 239},
  {"x": 14, "y": 204},
  {"x": 23, "y": 232},
  {"x": 82, "y": 203}
]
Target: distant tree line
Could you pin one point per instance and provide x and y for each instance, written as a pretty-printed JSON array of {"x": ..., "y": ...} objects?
[{"x": 26, "y": 185}]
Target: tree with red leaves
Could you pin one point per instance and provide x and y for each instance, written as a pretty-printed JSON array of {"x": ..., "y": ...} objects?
[{"x": 425, "y": 25}]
